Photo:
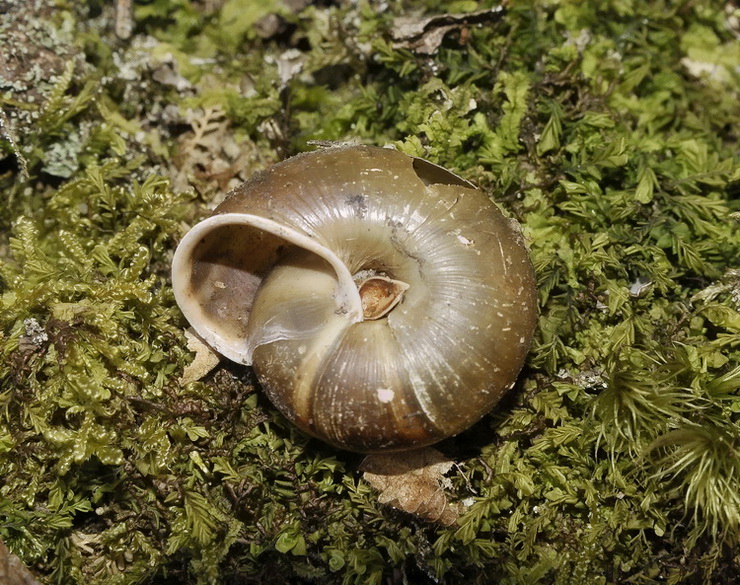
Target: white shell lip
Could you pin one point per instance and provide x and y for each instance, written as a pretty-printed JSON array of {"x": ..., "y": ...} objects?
[{"x": 347, "y": 297}]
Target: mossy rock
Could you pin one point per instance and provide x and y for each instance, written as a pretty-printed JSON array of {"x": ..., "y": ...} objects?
[{"x": 608, "y": 129}]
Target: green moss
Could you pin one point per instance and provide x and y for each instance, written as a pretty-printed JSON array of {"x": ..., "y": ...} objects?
[{"x": 609, "y": 129}]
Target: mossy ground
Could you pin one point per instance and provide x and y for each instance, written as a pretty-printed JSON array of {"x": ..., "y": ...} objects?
[{"x": 608, "y": 128}]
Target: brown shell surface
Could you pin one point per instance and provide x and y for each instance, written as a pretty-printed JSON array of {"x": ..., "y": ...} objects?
[{"x": 431, "y": 367}]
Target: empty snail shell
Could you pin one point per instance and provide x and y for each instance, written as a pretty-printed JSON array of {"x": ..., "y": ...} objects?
[{"x": 383, "y": 302}]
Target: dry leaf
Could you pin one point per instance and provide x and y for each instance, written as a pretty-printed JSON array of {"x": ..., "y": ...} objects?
[
  {"x": 210, "y": 158},
  {"x": 12, "y": 569},
  {"x": 424, "y": 35},
  {"x": 413, "y": 481},
  {"x": 205, "y": 359}
]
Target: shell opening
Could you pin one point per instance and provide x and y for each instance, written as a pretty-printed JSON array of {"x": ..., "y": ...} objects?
[{"x": 222, "y": 249}]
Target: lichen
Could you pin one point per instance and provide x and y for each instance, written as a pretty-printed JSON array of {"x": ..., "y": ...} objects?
[{"x": 608, "y": 129}]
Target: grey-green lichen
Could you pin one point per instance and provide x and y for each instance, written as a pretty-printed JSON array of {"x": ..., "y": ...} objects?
[{"x": 609, "y": 129}]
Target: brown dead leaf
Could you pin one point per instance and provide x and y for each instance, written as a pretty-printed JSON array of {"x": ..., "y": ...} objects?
[
  {"x": 210, "y": 158},
  {"x": 204, "y": 361},
  {"x": 414, "y": 482},
  {"x": 12, "y": 569},
  {"x": 424, "y": 35}
]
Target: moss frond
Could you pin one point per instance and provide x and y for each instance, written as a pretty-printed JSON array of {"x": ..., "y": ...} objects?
[
  {"x": 700, "y": 464},
  {"x": 642, "y": 398}
]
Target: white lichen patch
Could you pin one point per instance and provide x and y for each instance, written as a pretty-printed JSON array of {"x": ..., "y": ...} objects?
[
  {"x": 639, "y": 286},
  {"x": 34, "y": 336}
]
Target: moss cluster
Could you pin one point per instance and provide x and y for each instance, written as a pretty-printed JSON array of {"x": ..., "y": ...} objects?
[{"x": 608, "y": 128}]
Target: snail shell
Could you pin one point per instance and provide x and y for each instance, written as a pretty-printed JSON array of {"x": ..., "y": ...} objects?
[{"x": 383, "y": 302}]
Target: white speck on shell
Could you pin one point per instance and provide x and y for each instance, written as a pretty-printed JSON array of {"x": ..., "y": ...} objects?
[{"x": 385, "y": 395}]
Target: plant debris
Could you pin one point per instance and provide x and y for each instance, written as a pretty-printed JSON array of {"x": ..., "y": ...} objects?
[
  {"x": 424, "y": 35},
  {"x": 203, "y": 363},
  {"x": 413, "y": 482}
]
